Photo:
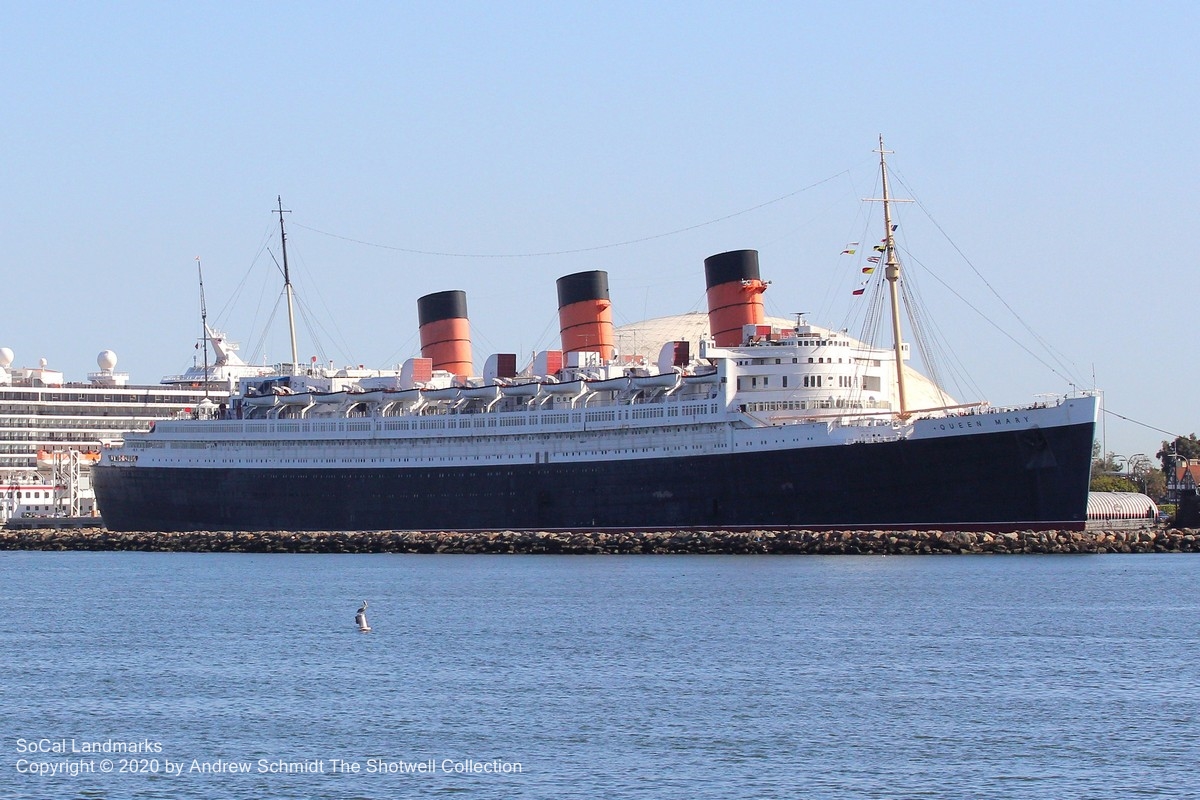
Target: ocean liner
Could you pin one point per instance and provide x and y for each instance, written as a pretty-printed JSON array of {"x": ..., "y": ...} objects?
[{"x": 761, "y": 424}]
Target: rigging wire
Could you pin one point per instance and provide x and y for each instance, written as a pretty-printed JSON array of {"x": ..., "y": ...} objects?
[
  {"x": 311, "y": 327},
  {"x": 863, "y": 224},
  {"x": 991, "y": 322},
  {"x": 1138, "y": 422},
  {"x": 262, "y": 339},
  {"x": 933, "y": 345},
  {"x": 263, "y": 244},
  {"x": 965, "y": 385},
  {"x": 577, "y": 250},
  {"x": 1049, "y": 348},
  {"x": 336, "y": 337}
]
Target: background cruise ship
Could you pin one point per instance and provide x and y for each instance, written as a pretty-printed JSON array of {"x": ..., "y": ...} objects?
[{"x": 52, "y": 430}]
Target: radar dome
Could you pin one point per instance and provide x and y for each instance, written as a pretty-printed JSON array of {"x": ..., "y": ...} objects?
[
  {"x": 6, "y": 357},
  {"x": 107, "y": 359}
]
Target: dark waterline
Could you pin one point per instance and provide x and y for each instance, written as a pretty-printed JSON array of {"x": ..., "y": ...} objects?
[{"x": 721, "y": 677}]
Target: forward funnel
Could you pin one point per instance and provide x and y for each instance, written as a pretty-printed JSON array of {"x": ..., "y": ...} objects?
[
  {"x": 445, "y": 331},
  {"x": 734, "y": 295},
  {"x": 585, "y": 314}
]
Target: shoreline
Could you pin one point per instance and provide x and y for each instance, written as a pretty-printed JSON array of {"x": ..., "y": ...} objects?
[{"x": 764, "y": 542}]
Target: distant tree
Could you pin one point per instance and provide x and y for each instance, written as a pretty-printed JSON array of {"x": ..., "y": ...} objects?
[
  {"x": 1156, "y": 484},
  {"x": 1105, "y": 464},
  {"x": 1186, "y": 446},
  {"x": 1105, "y": 482}
]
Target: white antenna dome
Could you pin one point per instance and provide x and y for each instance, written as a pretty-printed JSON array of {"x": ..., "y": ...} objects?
[
  {"x": 42, "y": 363},
  {"x": 107, "y": 359},
  {"x": 6, "y": 357}
]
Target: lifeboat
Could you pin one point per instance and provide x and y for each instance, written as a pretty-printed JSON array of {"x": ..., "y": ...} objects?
[
  {"x": 568, "y": 388},
  {"x": 449, "y": 393},
  {"x": 522, "y": 389},
  {"x": 665, "y": 380},
  {"x": 609, "y": 385},
  {"x": 701, "y": 380},
  {"x": 372, "y": 396},
  {"x": 405, "y": 398},
  {"x": 299, "y": 399},
  {"x": 482, "y": 392},
  {"x": 336, "y": 398},
  {"x": 261, "y": 400},
  {"x": 51, "y": 458}
]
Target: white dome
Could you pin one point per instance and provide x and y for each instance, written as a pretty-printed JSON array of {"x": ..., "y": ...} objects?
[
  {"x": 107, "y": 359},
  {"x": 6, "y": 357}
]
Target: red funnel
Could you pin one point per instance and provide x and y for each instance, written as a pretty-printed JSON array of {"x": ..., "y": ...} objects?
[{"x": 445, "y": 331}]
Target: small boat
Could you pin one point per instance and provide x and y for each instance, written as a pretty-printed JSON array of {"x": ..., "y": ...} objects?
[
  {"x": 52, "y": 458},
  {"x": 665, "y": 380},
  {"x": 448, "y": 393},
  {"x": 568, "y": 388},
  {"x": 490, "y": 392},
  {"x": 526, "y": 389}
]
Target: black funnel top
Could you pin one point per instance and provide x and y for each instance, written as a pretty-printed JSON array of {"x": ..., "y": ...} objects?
[
  {"x": 736, "y": 265},
  {"x": 441, "y": 305},
  {"x": 582, "y": 286}
]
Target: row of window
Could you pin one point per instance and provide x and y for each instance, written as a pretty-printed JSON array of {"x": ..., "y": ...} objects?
[
  {"x": 46, "y": 437},
  {"x": 435, "y": 442},
  {"x": 803, "y": 405},
  {"x": 454, "y": 421},
  {"x": 82, "y": 424},
  {"x": 434, "y": 457},
  {"x": 816, "y": 382}
]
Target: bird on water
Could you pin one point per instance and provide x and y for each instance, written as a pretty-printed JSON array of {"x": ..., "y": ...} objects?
[{"x": 360, "y": 619}]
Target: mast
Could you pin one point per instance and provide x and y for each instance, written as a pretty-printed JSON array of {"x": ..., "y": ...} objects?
[
  {"x": 892, "y": 274},
  {"x": 203, "y": 324},
  {"x": 287, "y": 284}
]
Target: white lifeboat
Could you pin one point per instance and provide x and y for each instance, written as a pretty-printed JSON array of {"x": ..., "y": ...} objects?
[
  {"x": 522, "y": 389},
  {"x": 700, "y": 380},
  {"x": 665, "y": 380},
  {"x": 405, "y": 398},
  {"x": 449, "y": 393},
  {"x": 490, "y": 392},
  {"x": 609, "y": 385},
  {"x": 567, "y": 389},
  {"x": 261, "y": 400},
  {"x": 298, "y": 399}
]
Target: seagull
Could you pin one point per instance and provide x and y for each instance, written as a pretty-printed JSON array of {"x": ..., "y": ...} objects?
[{"x": 360, "y": 619}]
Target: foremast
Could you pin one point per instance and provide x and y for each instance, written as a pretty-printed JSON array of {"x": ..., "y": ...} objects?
[
  {"x": 287, "y": 286},
  {"x": 203, "y": 323},
  {"x": 892, "y": 274}
]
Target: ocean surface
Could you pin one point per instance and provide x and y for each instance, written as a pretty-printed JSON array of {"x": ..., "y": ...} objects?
[{"x": 242, "y": 676}]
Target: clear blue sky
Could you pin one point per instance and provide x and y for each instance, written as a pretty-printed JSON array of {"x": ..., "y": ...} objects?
[{"x": 1053, "y": 143}]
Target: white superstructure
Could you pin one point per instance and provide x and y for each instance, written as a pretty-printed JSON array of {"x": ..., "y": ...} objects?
[{"x": 785, "y": 389}]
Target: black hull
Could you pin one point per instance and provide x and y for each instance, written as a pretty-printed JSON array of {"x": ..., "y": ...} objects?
[{"x": 1033, "y": 479}]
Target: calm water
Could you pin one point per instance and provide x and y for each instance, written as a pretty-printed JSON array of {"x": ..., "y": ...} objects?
[{"x": 603, "y": 677}]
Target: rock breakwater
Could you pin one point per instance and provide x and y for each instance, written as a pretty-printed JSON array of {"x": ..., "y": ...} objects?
[{"x": 1155, "y": 540}]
